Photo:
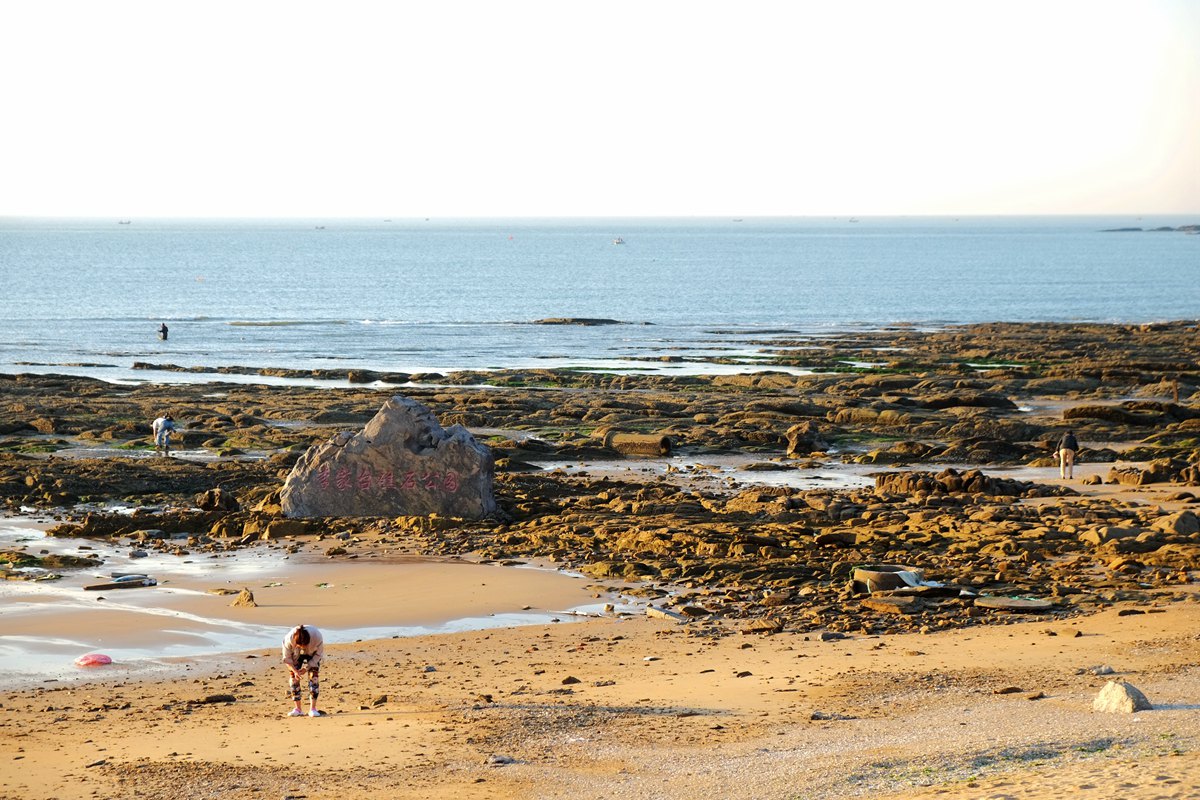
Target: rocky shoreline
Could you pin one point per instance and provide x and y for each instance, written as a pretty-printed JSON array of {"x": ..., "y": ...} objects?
[{"x": 940, "y": 415}]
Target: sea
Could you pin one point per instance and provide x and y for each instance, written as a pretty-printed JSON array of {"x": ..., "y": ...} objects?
[{"x": 87, "y": 296}]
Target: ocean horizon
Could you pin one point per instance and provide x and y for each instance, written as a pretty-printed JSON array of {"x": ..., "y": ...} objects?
[{"x": 87, "y": 296}]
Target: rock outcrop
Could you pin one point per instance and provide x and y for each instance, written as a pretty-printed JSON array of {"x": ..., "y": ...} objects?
[{"x": 403, "y": 463}]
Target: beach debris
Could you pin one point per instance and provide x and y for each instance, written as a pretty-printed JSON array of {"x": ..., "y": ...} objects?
[
  {"x": 1120, "y": 697},
  {"x": 884, "y": 577},
  {"x": 629, "y": 443},
  {"x": 123, "y": 582},
  {"x": 403, "y": 463},
  {"x": 93, "y": 660},
  {"x": 245, "y": 599},
  {"x": 826, "y": 715},
  {"x": 499, "y": 761}
]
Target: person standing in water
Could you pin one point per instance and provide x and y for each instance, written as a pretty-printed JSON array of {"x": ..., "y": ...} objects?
[
  {"x": 303, "y": 651},
  {"x": 1068, "y": 446},
  {"x": 162, "y": 331}
]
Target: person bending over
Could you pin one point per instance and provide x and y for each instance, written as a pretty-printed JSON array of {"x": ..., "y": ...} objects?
[
  {"x": 303, "y": 651},
  {"x": 1068, "y": 446},
  {"x": 162, "y": 428}
]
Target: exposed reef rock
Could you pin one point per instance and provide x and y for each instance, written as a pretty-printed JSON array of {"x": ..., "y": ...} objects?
[{"x": 402, "y": 463}]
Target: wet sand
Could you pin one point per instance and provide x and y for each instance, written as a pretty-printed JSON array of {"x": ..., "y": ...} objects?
[{"x": 44, "y": 626}]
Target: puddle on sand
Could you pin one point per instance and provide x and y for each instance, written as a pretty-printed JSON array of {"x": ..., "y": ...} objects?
[{"x": 47, "y": 624}]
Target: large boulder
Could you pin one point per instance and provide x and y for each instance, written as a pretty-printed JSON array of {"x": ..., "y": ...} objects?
[{"x": 403, "y": 463}]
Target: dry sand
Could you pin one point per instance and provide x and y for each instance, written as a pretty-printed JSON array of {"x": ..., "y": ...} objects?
[{"x": 642, "y": 708}]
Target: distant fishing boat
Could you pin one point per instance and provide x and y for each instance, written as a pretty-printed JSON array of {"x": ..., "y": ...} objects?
[
  {"x": 618, "y": 240},
  {"x": 123, "y": 221}
]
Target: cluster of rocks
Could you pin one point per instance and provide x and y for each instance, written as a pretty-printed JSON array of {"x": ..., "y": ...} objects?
[
  {"x": 778, "y": 555},
  {"x": 772, "y": 556}
]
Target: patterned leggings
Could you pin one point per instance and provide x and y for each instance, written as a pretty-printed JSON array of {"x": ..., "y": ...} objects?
[{"x": 314, "y": 685}]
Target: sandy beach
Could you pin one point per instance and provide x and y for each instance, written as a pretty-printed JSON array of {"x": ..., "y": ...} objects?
[{"x": 641, "y": 707}]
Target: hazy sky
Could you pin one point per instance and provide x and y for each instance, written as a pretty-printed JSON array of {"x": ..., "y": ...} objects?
[{"x": 568, "y": 108}]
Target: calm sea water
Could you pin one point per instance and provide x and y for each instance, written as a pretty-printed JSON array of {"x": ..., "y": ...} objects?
[{"x": 87, "y": 296}]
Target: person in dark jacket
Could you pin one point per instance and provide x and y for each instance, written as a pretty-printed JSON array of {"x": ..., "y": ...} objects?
[{"x": 1068, "y": 446}]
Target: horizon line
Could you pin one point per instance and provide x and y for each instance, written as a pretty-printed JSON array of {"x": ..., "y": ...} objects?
[{"x": 731, "y": 217}]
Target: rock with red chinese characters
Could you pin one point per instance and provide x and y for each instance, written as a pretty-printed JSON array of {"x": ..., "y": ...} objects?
[{"x": 403, "y": 463}]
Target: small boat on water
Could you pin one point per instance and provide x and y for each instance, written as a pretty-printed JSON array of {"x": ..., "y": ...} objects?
[
  {"x": 618, "y": 240},
  {"x": 123, "y": 582}
]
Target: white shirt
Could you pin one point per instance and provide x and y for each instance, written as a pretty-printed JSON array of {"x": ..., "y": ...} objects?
[{"x": 315, "y": 647}]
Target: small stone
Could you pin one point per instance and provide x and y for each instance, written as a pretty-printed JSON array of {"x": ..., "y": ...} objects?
[
  {"x": 219, "y": 698},
  {"x": 245, "y": 599}
]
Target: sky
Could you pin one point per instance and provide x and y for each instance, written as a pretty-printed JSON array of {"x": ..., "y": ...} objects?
[{"x": 573, "y": 108}]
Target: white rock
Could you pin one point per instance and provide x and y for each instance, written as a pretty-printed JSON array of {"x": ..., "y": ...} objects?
[{"x": 1119, "y": 697}]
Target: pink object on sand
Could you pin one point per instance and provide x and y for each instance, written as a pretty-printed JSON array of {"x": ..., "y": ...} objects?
[{"x": 92, "y": 660}]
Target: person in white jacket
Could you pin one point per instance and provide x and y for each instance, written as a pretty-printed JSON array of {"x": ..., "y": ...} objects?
[
  {"x": 303, "y": 652},
  {"x": 162, "y": 428}
]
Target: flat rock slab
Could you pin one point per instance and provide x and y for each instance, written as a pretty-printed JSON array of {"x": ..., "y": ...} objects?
[
  {"x": 403, "y": 463},
  {"x": 894, "y": 604},
  {"x": 1014, "y": 603}
]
